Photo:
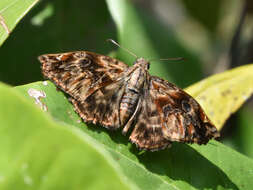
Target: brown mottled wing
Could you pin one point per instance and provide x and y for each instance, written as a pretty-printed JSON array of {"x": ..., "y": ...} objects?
[
  {"x": 170, "y": 114},
  {"x": 81, "y": 73},
  {"x": 102, "y": 107},
  {"x": 94, "y": 82},
  {"x": 147, "y": 133}
]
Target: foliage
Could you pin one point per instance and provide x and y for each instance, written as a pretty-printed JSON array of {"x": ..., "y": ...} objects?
[{"x": 55, "y": 150}]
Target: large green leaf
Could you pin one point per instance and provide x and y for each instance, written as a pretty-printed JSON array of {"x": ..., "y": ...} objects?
[
  {"x": 213, "y": 166},
  {"x": 11, "y": 12},
  {"x": 37, "y": 153},
  {"x": 27, "y": 135}
]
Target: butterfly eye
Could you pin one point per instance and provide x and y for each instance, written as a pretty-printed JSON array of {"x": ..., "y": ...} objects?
[{"x": 186, "y": 106}]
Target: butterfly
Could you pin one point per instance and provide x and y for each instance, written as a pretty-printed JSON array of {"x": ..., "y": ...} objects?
[{"x": 107, "y": 92}]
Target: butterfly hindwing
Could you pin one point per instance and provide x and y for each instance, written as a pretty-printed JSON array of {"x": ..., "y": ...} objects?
[
  {"x": 147, "y": 132},
  {"x": 102, "y": 107}
]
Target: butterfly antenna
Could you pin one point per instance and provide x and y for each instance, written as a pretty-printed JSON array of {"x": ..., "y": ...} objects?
[
  {"x": 168, "y": 59},
  {"x": 115, "y": 43}
]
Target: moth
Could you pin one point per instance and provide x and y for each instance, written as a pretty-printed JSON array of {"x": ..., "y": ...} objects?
[{"x": 106, "y": 91}]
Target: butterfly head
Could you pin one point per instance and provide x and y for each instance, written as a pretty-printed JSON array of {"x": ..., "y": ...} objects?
[{"x": 143, "y": 63}]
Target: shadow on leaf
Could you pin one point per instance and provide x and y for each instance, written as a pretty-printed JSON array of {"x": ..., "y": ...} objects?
[{"x": 182, "y": 163}]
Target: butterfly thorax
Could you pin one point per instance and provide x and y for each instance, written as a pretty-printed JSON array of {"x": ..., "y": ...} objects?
[{"x": 141, "y": 62}]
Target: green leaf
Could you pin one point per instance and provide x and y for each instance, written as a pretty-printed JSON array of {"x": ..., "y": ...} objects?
[
  {"x": 54, "y": 152},
  {"x": 240, "y": 138},
  {"x": 37, "y": 153},
  {"x": 222, "y": 94},
  {"x": 213, "y": 166},
  {"x": 245, "y": 132},
  {"x": 11, "y": 12}
]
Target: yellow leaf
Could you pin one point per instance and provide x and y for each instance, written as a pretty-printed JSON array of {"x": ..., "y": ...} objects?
[{"x": 222, "y": 94}]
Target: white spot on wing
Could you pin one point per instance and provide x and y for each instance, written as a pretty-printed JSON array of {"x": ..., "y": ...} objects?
[{"x": 59, "y": 57}]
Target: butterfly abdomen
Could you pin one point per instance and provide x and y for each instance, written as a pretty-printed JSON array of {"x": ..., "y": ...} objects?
[{"x": 131, "y": 95}]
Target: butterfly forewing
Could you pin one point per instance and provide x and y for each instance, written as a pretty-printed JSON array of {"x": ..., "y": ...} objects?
[{"x": 81, "y": 73}]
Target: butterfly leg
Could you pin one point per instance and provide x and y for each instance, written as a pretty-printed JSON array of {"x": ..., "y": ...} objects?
[{"x": 130, "y": 121}]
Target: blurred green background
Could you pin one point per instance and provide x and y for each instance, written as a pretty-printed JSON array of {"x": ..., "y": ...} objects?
[{"x": 211, "y": 35}]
